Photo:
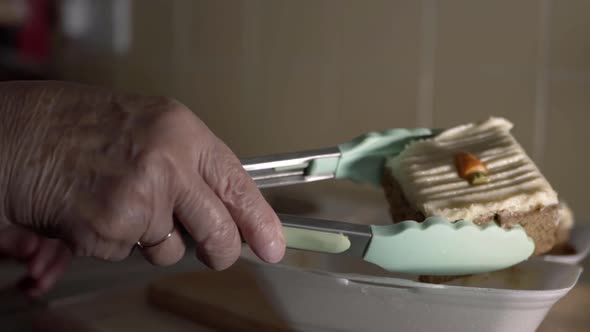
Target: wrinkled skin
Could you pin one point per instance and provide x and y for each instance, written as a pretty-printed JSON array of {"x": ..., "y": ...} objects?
[{"x": 100, "y": 170}]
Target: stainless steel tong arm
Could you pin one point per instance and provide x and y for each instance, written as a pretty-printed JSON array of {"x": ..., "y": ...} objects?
[
  {"x": 290, "y": 168},
  {"x": 360, "y": 160}
]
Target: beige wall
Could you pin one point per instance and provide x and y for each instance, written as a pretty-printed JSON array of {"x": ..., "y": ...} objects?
[{"x": 271, "y": 76}]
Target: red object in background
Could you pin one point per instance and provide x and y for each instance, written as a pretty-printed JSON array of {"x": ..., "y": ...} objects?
[{"x": 34, "y": 41}]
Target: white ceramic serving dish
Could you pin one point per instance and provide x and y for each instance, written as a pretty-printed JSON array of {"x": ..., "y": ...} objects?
[
  {"x": 315, "y": 292},
  {"x": 580, "y": 240}
]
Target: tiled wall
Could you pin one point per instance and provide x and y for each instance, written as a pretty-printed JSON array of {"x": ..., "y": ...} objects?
[{"x": 282, "y": 75}]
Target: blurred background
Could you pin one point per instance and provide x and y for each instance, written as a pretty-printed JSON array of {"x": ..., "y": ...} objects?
[{"x": 277, "y": 76}]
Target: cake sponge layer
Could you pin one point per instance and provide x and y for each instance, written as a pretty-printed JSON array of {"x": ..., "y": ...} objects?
[{"x": 539, "y": 224}]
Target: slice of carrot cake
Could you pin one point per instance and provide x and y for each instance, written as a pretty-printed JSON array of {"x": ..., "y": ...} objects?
[{"x": 476, "y": 172}]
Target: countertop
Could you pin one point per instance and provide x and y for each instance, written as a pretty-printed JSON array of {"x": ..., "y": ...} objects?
[{"x": 86, "y": 276}]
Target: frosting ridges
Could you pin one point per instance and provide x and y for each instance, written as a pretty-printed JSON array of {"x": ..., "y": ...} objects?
[{"x": 427, "y": 174}]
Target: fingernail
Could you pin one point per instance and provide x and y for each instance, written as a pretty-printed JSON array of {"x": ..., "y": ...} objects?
[{"x": 275, "y": 250}]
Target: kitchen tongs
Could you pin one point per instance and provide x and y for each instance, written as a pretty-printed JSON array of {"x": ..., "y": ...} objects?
[
  {"x": 433, "y": 247},
  {"x": 360, "y": 160}
]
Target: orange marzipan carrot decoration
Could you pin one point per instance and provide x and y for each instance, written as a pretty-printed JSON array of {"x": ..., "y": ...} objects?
[{"x": 470, "y": 168}]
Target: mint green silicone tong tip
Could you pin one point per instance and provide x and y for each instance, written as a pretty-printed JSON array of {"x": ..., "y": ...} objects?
[
  {"x": 433, "y": 247},
  {"x": 362, "y": 158}
]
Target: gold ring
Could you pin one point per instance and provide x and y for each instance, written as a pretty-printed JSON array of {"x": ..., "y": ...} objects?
[{"x": 143, "y": 245}]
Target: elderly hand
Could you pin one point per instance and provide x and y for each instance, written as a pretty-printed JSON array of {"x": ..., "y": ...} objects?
[{"x": 101, "y": 170}]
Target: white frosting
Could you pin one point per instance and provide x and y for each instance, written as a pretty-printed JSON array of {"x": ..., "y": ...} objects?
[
  {"x": 566, "y": 216},
  {"x": 428, "y": 177}
]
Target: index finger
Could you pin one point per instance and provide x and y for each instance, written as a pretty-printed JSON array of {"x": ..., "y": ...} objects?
[
  {"x": 256, "y": 220},
  {"x": 18, "y": 243}
]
